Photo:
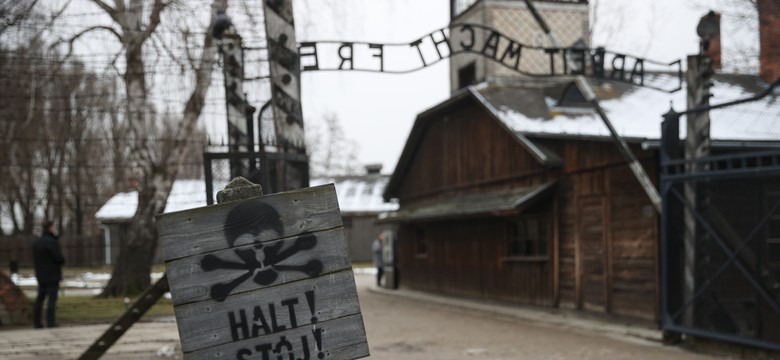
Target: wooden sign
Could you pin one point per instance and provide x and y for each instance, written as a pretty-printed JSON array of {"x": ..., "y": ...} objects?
[{"x": 264, "y": 278}]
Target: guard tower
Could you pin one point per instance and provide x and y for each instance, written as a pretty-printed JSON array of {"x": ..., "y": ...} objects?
[{"x": 568, "y": 20}]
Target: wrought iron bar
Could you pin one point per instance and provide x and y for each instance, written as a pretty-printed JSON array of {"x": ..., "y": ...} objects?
[{"x": 719, "y": 241}]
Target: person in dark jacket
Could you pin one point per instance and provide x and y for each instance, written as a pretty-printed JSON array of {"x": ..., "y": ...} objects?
[
  {"x": 48, "y": 260},
  {"x": 376, "y": 251}
]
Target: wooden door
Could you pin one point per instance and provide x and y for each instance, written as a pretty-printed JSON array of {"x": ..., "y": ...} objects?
[{"x": 592, "y": 254}]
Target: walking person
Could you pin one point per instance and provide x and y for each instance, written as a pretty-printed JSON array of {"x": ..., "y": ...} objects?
[
  {"x": 376, "y": 250},
  {"x": 48, "y": 260}
]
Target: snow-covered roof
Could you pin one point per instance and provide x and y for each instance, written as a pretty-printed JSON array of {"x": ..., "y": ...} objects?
[
  {"x": 548, "y": 108},
  {"x": 185, "y": 194},
  {"x": 634, "y": 111},
  {"x": 359, "y": 194},
  {"x": 356, "y": 194}
]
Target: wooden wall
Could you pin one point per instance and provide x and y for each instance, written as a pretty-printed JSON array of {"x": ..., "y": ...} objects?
[
  {"x": 468, "y": 151},
  {"x": 466, "y": 258},
  {"x": 609, "y": 234},
  {"x": 604, "y": 253}
]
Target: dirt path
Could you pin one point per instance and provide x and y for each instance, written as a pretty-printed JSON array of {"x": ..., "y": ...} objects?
[{"x": 399, "y": 328}]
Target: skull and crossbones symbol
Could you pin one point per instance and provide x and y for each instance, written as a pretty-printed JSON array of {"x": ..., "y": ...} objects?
[{"x": 262, "y": 263}]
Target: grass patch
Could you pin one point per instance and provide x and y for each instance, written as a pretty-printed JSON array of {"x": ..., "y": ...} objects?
[{"x": 90, "y": 310}]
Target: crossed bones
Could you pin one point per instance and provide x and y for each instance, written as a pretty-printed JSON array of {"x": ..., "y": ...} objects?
[{"x": 252, "y": 218}]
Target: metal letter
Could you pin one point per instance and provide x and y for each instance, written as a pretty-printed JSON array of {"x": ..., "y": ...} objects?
[
  {"x": 513, "y": 50},
  {"x": 345, "y": 59},
  {"x": 437, "y": 43},
  {"x": 615, "y": 69},
  {"x": 416, "y": 44},
  {"x": 313, "y": 46},
  {"x": 471, "y": 34},
  {"x": 597, "y": 58},
  {"x": 639, "y": 70},
  {"x": 578, "y": 58},
  {"x": 491, "y": 43},
  {"x": 380, "y": 55}
]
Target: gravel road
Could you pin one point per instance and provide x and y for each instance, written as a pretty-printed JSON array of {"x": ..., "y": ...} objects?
[{"x": 397, "y": 327}]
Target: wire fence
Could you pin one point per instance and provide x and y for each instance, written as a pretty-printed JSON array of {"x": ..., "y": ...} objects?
[
  {"x": 751, "y": 121},
  {"x": 721, "y": 222},
  {"x": 83, "y": 251}
]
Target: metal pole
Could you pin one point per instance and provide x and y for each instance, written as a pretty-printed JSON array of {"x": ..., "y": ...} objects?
[
  {"x": 697, "y": 145},
  {"x": 235, "y": 102},
  {"x": 285, "y": 71}
]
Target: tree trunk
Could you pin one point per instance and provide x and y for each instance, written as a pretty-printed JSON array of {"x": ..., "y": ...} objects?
[
  {"x": 131, "y": 273},
  {"x": 151, "y": 163}
]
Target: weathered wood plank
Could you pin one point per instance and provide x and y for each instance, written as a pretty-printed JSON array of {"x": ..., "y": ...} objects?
[
  {"x": 264, "y": 277},
  {"x": 266, "y": 311},
  {"x": 190, "y": 282},
  {"x": 207, "y": 229},
  {"x": 341, "y": 338}
]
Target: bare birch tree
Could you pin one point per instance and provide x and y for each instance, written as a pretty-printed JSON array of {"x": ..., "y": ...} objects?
[{"x": 153, "y": 157}]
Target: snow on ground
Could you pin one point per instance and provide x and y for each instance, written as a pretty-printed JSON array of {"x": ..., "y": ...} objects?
[{"x": 89, "y": 280}]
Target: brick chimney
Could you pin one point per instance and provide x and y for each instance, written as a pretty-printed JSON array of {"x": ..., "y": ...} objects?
[
  {"x": 769, "y": 35},
  {"x": 709, "y": 31}
]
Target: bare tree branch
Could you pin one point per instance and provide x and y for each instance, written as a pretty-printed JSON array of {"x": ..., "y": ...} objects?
[
  {"x": 186, "y": 38},
  {"x": 113, "y": 13},
  {"x": 158, "y": 40},
  {"x": 154, "y": 21},
  {"x": 17, "y": 17},
  {"x": 81, "y": 33}
]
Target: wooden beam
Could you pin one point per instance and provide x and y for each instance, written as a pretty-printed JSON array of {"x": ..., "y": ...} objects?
[{"x": 141, "y": 305}]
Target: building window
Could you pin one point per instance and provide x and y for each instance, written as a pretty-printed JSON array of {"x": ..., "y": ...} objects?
[
  {"x": 420, "y": 243},
  {"x": 528, "y": 236},
  {"x": 467, "y": 75}
]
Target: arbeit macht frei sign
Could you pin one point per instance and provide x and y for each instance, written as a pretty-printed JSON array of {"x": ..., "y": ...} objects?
[
  {"x": 264, "y": 278},
  {"x": 490, "y": 43}
]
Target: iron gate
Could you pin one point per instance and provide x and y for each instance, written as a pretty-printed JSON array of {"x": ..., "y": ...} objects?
[{"x": 720, "y": 232}]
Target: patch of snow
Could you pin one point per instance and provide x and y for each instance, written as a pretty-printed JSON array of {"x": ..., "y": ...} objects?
[
  {"x": 119, "y": 206},
  {"x": 359, "y": 194},
  {"x": 87, "y": 280},
  {"x": 364, "y": 271},
  {"x": 185, "y": 194},
  {"x": 638, "y": 114}
]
